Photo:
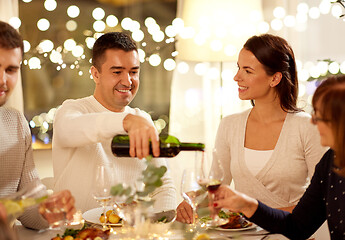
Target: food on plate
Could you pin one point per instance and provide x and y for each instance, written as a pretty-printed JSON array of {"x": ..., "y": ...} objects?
[
  {"x": 93, "y": 233},
  {"x": 236, "y": 220},
  {"x": 203, "y": 236},
  {"x": 86, "y": 233},
  {"x": 112, "y": 217}
]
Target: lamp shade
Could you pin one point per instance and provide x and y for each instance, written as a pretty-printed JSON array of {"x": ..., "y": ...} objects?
[{"x": 216, "y": 30}]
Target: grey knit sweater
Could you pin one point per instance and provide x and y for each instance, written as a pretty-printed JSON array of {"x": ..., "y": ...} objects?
[{"x": 17, "y": 167}]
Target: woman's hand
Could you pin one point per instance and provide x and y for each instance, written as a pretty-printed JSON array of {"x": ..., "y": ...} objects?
[
  {"x": 234, "y": 201},
  {"x": 184, "y": 213}
]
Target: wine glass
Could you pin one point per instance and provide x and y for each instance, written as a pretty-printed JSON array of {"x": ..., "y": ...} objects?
[
  {"x": 102, "y": 181},
  {"x": 191, "y": 191},
  {"x": 213, "y": 182},
  {"x": 16, "y": 203}
]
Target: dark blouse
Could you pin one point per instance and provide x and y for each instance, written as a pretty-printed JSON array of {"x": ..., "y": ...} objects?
[{"x": 324, "y": 199}]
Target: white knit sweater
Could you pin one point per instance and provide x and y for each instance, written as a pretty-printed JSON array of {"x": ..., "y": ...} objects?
[
  {"x": 83, "y": 130},
  {"x": 17, "y": 167},
  {"x": 284, "y": 178}
]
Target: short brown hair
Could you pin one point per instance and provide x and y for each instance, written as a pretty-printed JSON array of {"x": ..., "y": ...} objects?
[
  {"x": 111, "y": 40},
  {"x": 276, "y": 55},
  {"x": 10, "y": 37},
  {"x": 331, "y": 94}
]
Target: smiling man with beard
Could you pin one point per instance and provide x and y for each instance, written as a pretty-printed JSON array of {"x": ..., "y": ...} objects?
[{"x": 83, "y": 128}]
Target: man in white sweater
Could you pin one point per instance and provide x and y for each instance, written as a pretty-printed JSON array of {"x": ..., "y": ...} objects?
[
  {"x": 83, "y": 128},
  {"x": 17, "y": 171}
]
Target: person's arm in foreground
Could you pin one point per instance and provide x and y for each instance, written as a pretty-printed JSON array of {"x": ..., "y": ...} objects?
[{"x": 305, "y": 219}]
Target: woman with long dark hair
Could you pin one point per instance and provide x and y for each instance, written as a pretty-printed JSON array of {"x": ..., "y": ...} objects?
[
  {"x": 270, "y": 150},
  {"x": 325, "y": 197}
]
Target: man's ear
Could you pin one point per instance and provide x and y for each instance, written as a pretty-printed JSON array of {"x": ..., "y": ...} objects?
[
  {"x": 277, "y": 77},
  {"x": 95, "y": 74}
]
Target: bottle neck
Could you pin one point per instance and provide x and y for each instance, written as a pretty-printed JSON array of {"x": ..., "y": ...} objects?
[{"x": 192, "y": 146}]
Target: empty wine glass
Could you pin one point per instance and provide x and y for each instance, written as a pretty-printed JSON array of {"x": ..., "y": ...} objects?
[
  {"x": 191, "y": 191},
  {"x": 102, "y": 181}
]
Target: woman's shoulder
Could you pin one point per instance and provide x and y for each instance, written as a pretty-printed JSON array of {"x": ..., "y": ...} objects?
[
  {"x": 236, "y": 116},
  {"x": 300, "y": 119},
  {"x": 300, "y": 116}
]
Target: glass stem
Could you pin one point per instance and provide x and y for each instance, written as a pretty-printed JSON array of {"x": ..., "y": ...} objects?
[{"x": 105, "y": 217}]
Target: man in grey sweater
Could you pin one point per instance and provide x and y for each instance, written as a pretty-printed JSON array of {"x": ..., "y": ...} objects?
[{"x": 17, "y": 171}]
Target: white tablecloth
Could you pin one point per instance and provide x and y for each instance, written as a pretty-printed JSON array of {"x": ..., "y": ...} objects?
[{"x": 28, "y": 234}]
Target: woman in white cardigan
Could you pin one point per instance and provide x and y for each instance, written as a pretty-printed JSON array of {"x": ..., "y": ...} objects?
[{"x": 269, "y": 151}]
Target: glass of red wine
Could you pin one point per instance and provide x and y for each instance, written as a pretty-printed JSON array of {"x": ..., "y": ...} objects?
[{"x": 212, "y": 182}]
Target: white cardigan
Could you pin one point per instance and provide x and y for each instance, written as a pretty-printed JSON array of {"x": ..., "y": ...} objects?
[
  {"x": 83, "y": 130},
  {"x": 286, "y": 175}
]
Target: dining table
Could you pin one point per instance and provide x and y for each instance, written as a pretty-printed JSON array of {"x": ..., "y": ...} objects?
[{"x": 177, "y": 231}]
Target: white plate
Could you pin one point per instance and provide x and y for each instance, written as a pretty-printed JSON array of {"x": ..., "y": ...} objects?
[
  {"x": 93, "y": 215},
  {"x": 235, "y": 229}
]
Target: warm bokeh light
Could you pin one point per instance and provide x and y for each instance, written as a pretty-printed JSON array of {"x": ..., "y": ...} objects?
[
  {"x": 149, "y": 22},
  {"x": 98, "y": 13},
  {"x": 336, "y": 10},
  {"x": 279, "y": 12},
  {"x": 334, "y": 67},
  {"x": 263, "y": 27},
  {"x": 170, "y": 31},
  {"x": 73, "y": 11},
  {"x": 314, "y": 13},
  {"x": 303, "y": 8},
  {"x": 90, "y": 41},
  {"x": 43, "y": 24},
  {"x": 45, "y": 46},
  {"x": 301, "y": 90},
  {"x": 200, "y": 69},
  {"x": 55, "y": 56},
  {"x": 276, "y": 24},
  {"x": 112, "y": 21},
  {"x": 69, "y": 44},
  {"x": 78, "y": 51},
  {"x": 71, "y": 25},
  {"x": 15, "y": 22},
  {"x": 323, "y": 67},
  {"x": 138, "y": 35},
  {"x": 290, "y": 21},
  {"x": 303, "y": 75},
  {"x": 325, "y": 6},
  {"x": 50, "y": 5},
  {"x": 99, "y": 26},
  {"x": 230, "y": 50},
  {"x": 158, "y": 36},
  {"x": 34, "y": 63},
  {"x": 27, "y": 46},
  {"x": 142, "y": 55},
  {"x": 126, "y": 23},
  {"x": 182, "y": 67},
  {"x": 155, "y": 60},
  {"x": 169, "y": 64}
]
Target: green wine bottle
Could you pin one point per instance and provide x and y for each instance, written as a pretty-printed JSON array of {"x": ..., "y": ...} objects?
[{"x": 170, "y": 146}]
